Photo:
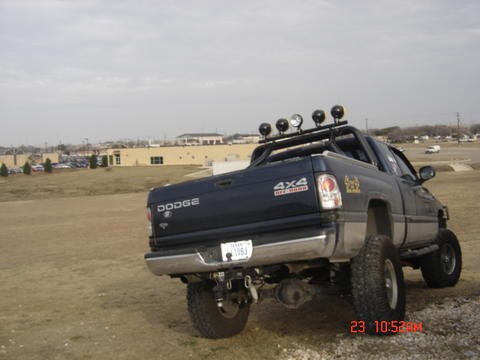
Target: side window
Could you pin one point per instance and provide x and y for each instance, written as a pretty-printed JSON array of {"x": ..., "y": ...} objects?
[
  {"x": 406, "y": 172},
  {"x": 393, "y": 163},
  {"x": 396, "y": 162},
  {"x": 390, "y": 159}
]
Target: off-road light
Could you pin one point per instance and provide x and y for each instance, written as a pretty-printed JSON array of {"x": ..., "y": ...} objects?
[
  {"x": 296, "y": 120},
  {"x": 282, "y": 125},
  {"x": 337, "y": 112},
  {"x": 265, "y": 129},
  {"x": 318, "y": 117}
]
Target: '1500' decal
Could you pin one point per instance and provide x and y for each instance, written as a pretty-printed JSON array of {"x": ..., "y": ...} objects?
[{"x": 290, "y": 187}]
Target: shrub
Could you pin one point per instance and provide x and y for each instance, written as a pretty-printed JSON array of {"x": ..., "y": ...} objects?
[
  {"x": 93, "y": 162},
  {"x": 104, "y": 161},
  {"x": 27, "y": 169},
  {"x": 48, "y": 166},
  {"x": 4, "y": 170}
]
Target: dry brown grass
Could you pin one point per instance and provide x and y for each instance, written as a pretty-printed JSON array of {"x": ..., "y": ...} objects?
[
  {"x": 452, "y": 144},
  {"x": 101, "y": 181},
  {"x": 74, "y": 284}
]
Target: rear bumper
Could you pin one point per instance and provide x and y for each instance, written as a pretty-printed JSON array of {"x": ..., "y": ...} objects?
[{"x": 319, "y": 244}]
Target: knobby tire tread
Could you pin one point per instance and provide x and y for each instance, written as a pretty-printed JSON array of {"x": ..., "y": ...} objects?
[
  {"x": 368, "y": 283},
  {"x": 206, "y": 316}
]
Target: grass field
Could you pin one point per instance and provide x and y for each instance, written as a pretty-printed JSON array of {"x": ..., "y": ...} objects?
[
  {"x": 101, "y": 181},
  {"x": 74, "y": 284}
]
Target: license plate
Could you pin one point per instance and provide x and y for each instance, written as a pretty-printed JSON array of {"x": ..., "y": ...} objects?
[{"x": 238, "y": 250}]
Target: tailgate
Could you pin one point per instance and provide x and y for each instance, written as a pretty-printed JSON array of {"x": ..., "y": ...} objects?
[{"x": 248, "y": 196}]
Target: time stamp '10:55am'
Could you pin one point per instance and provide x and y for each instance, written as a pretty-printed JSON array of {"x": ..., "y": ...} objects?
[{"x": 384, "y": 326}]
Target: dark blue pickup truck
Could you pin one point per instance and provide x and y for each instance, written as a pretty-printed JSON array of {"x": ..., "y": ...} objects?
[{"x": 326, "y": 210}]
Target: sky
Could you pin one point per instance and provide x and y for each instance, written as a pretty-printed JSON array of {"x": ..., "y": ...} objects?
[{"x": 72, "y": 70}]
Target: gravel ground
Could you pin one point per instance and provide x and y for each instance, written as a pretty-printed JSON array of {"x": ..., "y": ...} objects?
[{"x": 451, "y": 330}]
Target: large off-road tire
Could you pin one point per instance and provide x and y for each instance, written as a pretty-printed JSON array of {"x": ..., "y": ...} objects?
[
  {"x": 377, "y": 284},
  {"x": 443, "y": 267},
  {"x": 212, "y": 321}
]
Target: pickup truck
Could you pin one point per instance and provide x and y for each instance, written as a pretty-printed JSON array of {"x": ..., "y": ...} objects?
[
  {"x": 327, "y": 210},
  {"x": 432, "y": 149}
]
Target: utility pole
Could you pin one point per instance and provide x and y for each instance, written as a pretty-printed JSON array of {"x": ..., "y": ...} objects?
[
  {"x": 366, "y": 125},
  {"x": 14, "y": 151},
  {"x": 458, "y": 128}
]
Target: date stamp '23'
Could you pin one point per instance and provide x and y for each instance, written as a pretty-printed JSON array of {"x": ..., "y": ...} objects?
[{"x": 386, "y": 327}]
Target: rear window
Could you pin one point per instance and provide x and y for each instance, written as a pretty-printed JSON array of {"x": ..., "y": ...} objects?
[{"x": 346, "y": 145}]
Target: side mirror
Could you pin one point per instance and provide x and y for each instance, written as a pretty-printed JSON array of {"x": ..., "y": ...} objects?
[{"x": 426, "y": 173}]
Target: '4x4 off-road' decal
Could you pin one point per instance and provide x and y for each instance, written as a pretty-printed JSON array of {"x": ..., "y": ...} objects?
[{"x": 290, "y": 187}]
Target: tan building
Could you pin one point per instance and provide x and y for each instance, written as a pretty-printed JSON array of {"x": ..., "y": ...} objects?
[
  {"x": 179, "y": 155},
  {"x": 18, "y": 160},
  {"x": 12, "y": 161},
  {"x": 54, "y": 157},
  {"x": 244, "y": 139}
]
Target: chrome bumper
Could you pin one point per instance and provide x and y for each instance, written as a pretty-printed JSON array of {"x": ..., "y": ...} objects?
[{"x": 319, "y": 246}]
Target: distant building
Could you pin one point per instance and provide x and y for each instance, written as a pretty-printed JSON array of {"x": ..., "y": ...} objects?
[
  {"x": 54, "y": 157},
  {"x": 152, "y": 144},
  {"x": 200, "y": 139},
  {"x": 243, "y": 139},
  {"x": 16, "y": 160},
  {"x": 203, "y": 155}
]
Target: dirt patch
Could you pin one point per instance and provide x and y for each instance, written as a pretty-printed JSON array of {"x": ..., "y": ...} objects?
[
  {"x": 75, "y": 286},
  {"x": 461, "y": 167}
]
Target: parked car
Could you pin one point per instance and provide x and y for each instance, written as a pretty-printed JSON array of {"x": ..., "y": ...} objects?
[
  {"x": 62, "y": 166},
  {"x": 15, "y": 170},
  {"x": 38, "y": 168}
]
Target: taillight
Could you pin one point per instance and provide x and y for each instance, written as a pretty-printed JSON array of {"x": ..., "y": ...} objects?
[
  {"x": 329, "y": 192},
  {"x": 149, "y": 214}
]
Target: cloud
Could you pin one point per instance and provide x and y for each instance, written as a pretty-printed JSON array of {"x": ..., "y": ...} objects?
[{"x": 269, "y": 57}]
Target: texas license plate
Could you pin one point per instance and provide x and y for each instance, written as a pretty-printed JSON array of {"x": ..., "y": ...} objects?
[{"x": 238, "y": 250}]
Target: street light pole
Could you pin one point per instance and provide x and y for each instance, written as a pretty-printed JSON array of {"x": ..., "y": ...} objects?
[{"x": 458, "y": 128}]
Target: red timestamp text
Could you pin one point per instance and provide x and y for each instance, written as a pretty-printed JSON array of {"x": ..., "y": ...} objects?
[{"x": 385, "y": 327}]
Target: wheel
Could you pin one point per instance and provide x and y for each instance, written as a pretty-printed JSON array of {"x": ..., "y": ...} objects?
[
  {"x": 443, "y": 267},
  {"x": 212, "y": 321},
  {"x": 377, "y": 284}
]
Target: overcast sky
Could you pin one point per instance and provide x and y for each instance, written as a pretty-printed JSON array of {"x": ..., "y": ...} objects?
[{"x": 113, "y": 69}]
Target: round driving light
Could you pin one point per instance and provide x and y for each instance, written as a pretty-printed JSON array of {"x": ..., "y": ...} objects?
[
  {"x": 318, "y": 117},
  {"x": 296, "y": 120},
  {"x": 337, "y": 112},
  {"x": 265, "y": 129},
  {"x": 282, "y": 125}
]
